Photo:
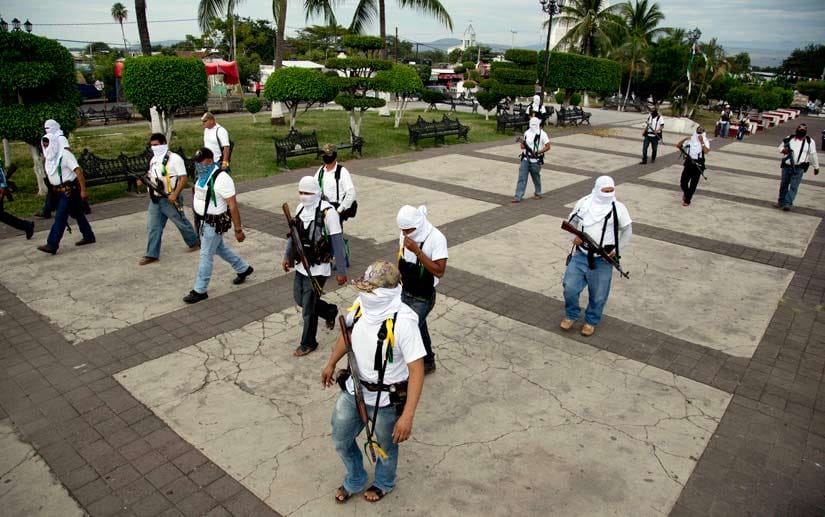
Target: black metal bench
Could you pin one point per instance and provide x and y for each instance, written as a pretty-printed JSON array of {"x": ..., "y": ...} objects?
[
  {"x": 454, "y": 102},
  {"x": 113, "y": 113},
  {"x": 516, "y": 120},
  {"x": 437, "y": 130},
  {"x": 296, "y": 144},
  {"x": 572, "y": 115},
  {"x": 103, "y": 171}
]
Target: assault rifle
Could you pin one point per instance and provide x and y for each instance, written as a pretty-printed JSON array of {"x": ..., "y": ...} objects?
[
  {"x": 355, "y": 374},
  {"x": 789, "y": 157},
  {"x": 699, "y": 166},
  {"x": 528, "y": 152},
  {"x": 151, "y": 185},
  {"x": 591, "y": 244},
  {"x": 659, "y": 137},
  {"x": 298, "y": 249}
]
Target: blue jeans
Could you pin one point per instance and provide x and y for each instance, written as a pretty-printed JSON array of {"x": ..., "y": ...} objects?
[
  {"x": 740, "y": 134},
  {"x": 650, "y": 140},
  {"x": 68, "y": 206},
  {"x": 422, "y": 307},
  {"x": 789, "y": 185},
  {"x": 11, "y": 220},
  {"x": 578, "y": 276},
  {"x": 534, "y": 169},
  {"x": 346, "y": 426},
  {"x": 723, "y": 129},
  {"x": 312, "y": 308},
  {"x": 156, "y": 221},
  {"x": 212, "y": 244}
]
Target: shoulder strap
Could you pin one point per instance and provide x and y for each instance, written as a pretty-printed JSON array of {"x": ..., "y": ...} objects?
[
  {"x": 337, "y": 183},
  {"x": 210, "y": 189},
  {"x": 616, "y": 229},
  {"x": 385, "y": 333},
  {"x": 218, "y": 137},
  {"x": 321, "y": 177}
]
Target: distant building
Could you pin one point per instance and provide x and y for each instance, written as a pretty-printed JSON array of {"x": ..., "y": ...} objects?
[
  {"x": 468, "y": 39},
  {"x": 266, "y": 70}
]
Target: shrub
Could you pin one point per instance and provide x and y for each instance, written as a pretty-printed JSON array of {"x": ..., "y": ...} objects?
[
  {"x": 514, "y": 76},
  {"x": 253, "y": 105},
  {"x": 575, "y": 99},
  {"x": 559, "y": 97},
  {"x": 365, "y": 43},
  {"x": 521, "y": 57},
  {"x": 469, "y": 84},
  {"x": 460, "y": 69},
  {"x": 432, "y": 96},
  {"x": 577, "y": 72},
  {"x": 469, "y": 65},
  {"x": 292, "y": 86},
  {"x": 813, "y": 89}
]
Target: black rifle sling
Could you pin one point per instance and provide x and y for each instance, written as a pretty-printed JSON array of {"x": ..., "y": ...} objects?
[
  {"x": 381, "y": 367},
  {"x": 210, "y": 191},
  {"x": 321, "y": 172}
]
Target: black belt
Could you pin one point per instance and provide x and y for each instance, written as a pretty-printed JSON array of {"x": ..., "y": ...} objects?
[{"x": 388, "y": 388}]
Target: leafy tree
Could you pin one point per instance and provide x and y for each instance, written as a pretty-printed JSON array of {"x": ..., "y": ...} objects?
[
  {"x": 632, "y": 55},
  {"x": 740, "y": 63},
  {"x": 813, "y": 89},
  {"x": 119, "y": 13},
  {"x": 488, "y": 100},
  {"x": 292, "y": 85},
  {"x": 805, "y": 62},
  {"x": 37, "y": 84},
  {"x": 166, "y": 83},
  {"x": 667, "y": 59},
  {"x": 574, "y": 72},
  {"x": 403, "y": 81},
  {"x": 424, "y": 72},
  {"x": 317, "y": 38},
  {"x": 143, "y": 27},
  {"x": 366, "y": 11},
  {"x": 97, "y": 47},
  {"x": 253, "y": 105},
  {"x": 590, "y": 22}
]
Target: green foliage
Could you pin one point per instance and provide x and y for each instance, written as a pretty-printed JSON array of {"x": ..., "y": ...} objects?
[
  {"x": 740, "y": 63},
  {"x": 514, "y": 76},
  {"x": 364, "y": 43},
  {"x": 522, "y": 57},
  {"x": 498, "y": 65},
  {"x": 431, "y": 96},
  {"x": 559, "y": 97},
  {"x": 488, "y": 100},
  {"x": 765, "y": 98},
  {"x": 474, "y": 76},
  {"x": 292, "y": 84},
  {"x": 469, "y": 84},
  {"x": 350, "y": 102},
  {"x": 358, "y": 64},
  {"x": 41, "y": 72},
  {"x": 805, "y": 62},
  {"x": 575, "y": 99},
  {"x": 487, "y": 84},
  {"x": 720, "y": 87},
  {"x": 512, "y": 90},
  {"x": 253, "y": 105},
  {"x": 400, "y": 79},
  {"x": 424, "y": 71},
  {"x": 460, "y": 69},
  {"x": 577, "y": 72},
  {"x": 166, "y": 82},
  {"x": 813, "y": 89},
  {"x": 668, "y": 60},
  {"x": 469, "y": 65}
]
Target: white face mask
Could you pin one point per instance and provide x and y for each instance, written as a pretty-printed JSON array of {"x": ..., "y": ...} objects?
[
  {"x": 160, "y": 150},
  {"x": 309, "y": 199}
]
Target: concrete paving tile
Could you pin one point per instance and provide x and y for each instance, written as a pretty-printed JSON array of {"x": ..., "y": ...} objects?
[
  {"x": 608, "y": 143},
  {"x": 575, "y": 158}
]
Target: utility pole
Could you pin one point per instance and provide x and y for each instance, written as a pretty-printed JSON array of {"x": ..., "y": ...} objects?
[
  {"x": 416, "y": 53},
  {"x": 396, "y": 45},
  {"x": 513, "y": 43}
]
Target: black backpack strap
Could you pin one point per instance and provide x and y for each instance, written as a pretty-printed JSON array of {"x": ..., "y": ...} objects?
[{"x": 616, "y": 229}]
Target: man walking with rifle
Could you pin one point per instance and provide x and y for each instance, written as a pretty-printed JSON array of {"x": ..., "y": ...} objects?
[
  {"x": 314, "y": 239},
  {"x": 380, "y": 392},
  {"x": 165, "y": 180},
  {"x": 603, "y": 227},
  {"x": 652, "y": 134},
  {"x": 694, "y": 167},
  {"x": 799, "y": 152},
  {"x": 534, "y": 144}
]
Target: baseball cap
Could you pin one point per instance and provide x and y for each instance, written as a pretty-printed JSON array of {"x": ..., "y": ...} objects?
[
  {"x": 207, "y": 116},
  {"x": 202, "y": 154},
  {"x": 379, "y": 274},
  {"x": 329, "y": 149}
]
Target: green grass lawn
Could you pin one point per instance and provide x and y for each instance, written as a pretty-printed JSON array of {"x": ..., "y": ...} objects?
[{"x": 253, "y": 155}]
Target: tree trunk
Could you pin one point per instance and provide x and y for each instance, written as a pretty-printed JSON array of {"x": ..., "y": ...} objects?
[
  {"x": 123, "y": 33},
  {"x": 170, "y": 124},
  {"x": 293, "y": 114},
  {"x": 234, "y": 39},
  {"x": 279, "y": 37},
  {"x": 400, "y": 106},
  {"x": 382, "y": 24},
  {"x": 6, "y": 154},
  {"x": 39, "y": 170},
  {"x": 355, "y": 120},
  {"x": 143, "y": 27},
  {"x": 626, "y": 95}
]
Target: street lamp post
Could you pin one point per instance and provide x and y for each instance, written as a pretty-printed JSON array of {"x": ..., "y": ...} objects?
[
  {"x": 550, "y": 7},
  {"x": 4, "y": 25},
  {"x": 15, "y": 23},
  {"x": 28, "y": 26}
]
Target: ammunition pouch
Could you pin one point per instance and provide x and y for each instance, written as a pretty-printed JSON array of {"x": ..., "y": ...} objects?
[
  {"x": 221, "y": 222},
  {"x": 397, "y": 391}
]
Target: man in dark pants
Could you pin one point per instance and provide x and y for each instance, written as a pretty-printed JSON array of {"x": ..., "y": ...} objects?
[
  {"x": 652, "y": 133},
  {"x": 319, "y": 229},
  {"x": 422, "y": 260},
  {"x": 695, "y": 150},
  {"x": 14, "y": 222}
]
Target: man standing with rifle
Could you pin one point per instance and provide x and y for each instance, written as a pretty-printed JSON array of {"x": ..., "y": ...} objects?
[
  {"x": 165, "y": 180},
  {"x": 382, "y": 388},
  {"x": 799, "y": 152},
  {"x": 694, "y": 167},
  {"x": 534, "y": 144},
  {"x": 653, "y": 134},
  {"x": 603, "y": 227},
  {"x": 314, "y": 239}
]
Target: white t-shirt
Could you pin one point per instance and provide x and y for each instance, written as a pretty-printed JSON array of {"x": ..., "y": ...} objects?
[
  {"x": 347, "y": 194},
  {"x": 408, "y": 348},
  {"x": 174, "y": 168},
  {"x": 224, "y": 188},
  {"x": 333, "y": 225},
  {"x": 210, "y": 140},
  {"x": 536, "y": 105},
  {"x": 434, "y": 247},
  {"x": 68, "y": 163},
  {"x": 653, "y": 125},
  {"x": 802, "y": 151},
  {"x": 694, "y": 146},
  {"x": 595, "y": 230},
  {"x": 529, "y": 139}
]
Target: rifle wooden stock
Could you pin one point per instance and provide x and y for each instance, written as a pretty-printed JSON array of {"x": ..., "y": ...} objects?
[
  {"x": 566, "y": 226},
  {"x": 299, "y": 249},
  {"x": 354, "y": 373}
]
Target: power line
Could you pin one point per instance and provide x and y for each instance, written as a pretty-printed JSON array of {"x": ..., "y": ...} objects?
[{"x": 111, "y": 23}]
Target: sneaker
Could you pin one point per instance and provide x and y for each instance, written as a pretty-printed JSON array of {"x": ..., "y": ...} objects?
[
  {"x": 429, "y": 368},
  {"x": 84, "y": 241},
  {"x": 194, "y": 247},
  {"x": 588, "y": 330},
  {"x": 147, "y": 260},
  {"x": 195, "y": 297},
  {"x": 643, "y": 162},
  {"x": 241, "y": 277},
  {"x": 786, "y": 208},
  {"x": 331, "y": 321},
  {"x": 47, "y": 249},
  {"x": 30, "y": 230},
  {"x": 566, "y": 324}
]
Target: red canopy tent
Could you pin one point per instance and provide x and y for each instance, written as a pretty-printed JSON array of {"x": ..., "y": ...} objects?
[{"x": 229, "y": 69}]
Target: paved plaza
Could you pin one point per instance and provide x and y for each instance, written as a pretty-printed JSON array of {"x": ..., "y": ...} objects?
[{"x": 701, "y": 392}]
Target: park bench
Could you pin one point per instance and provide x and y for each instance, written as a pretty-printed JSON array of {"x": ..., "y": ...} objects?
[
  {"x": 616, "y": 102},
  {"x": 572, "y": 115},
  {"x": 436, "y": 129},
  {"x": 114, "y": 113},
  {"x": 453, "y": 102},
  {"x": 296, "y": 143},
  {"x": 103, "y": 171},
  {"x": 191, "y": 111},
  {"x": 517, "y": 120}
]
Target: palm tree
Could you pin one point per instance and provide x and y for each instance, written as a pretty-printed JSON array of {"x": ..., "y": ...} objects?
[
  {"x": 143, "y": 27},
  {"x": 119, "y": 13},
  {"x": 643, "y": 19},
  {"x": 208, "y": 10},
  {"x": 367, "y": 9},
  {"x": 632, "y": 54},
  {"x": 591, "y": 23}
]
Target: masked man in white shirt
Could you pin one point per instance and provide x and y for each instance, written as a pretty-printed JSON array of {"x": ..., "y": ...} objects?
[
  {"x": 652, "y": 133},
  {"x": 50, "y": 157},
  {"x": 216, "y": 211},
  {"x": 608, "y": 222},
  {"x": 799, "y": 152},
  {"x": 336, "y": 184},
  {"x": 534, "y": 145},
  {"x": 216, "y": 139},
  {"x": 322, "y": 240},
  {"x": 694, "y": 152},
  {"x": 388, "y": 356},
  {"x": 167, "y": 172}
]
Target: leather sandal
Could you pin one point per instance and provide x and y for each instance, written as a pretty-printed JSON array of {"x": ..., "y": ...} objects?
[
  {"x": 342, "y": 495},
  {"x": 375, "y": 490}
]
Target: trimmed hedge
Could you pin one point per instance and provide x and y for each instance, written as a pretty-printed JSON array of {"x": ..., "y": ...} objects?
[
  {"x": 291, "y": 84},
  {"x": 350, "y": 63},
  {"x": 514, "y": 76},
  {"x": 167, "y": 82},
  {"x": 488, "y": 100},
  {"x": 522, "y": 57},
  {"x": 351, "y": 102},
  {"x": 815, "y": 90},
  {"x": 432, "y": 96},
  {"x": 498, "y": 65},
  {"x": 253, "y": 105},
  {"x": 577, "y": 72},
  {"x": 766, "y": 98},
  {"x": 362, "y": 42},
  {"x": 400, "y": 79}
]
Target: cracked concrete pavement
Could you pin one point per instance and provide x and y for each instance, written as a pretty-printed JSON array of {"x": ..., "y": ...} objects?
[
  {"x": 608, "y": 430},
  {"x": 577, "y": 158}
]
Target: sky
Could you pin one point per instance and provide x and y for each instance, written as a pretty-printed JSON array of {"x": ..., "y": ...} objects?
[{"x": 770, "y": 27}]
